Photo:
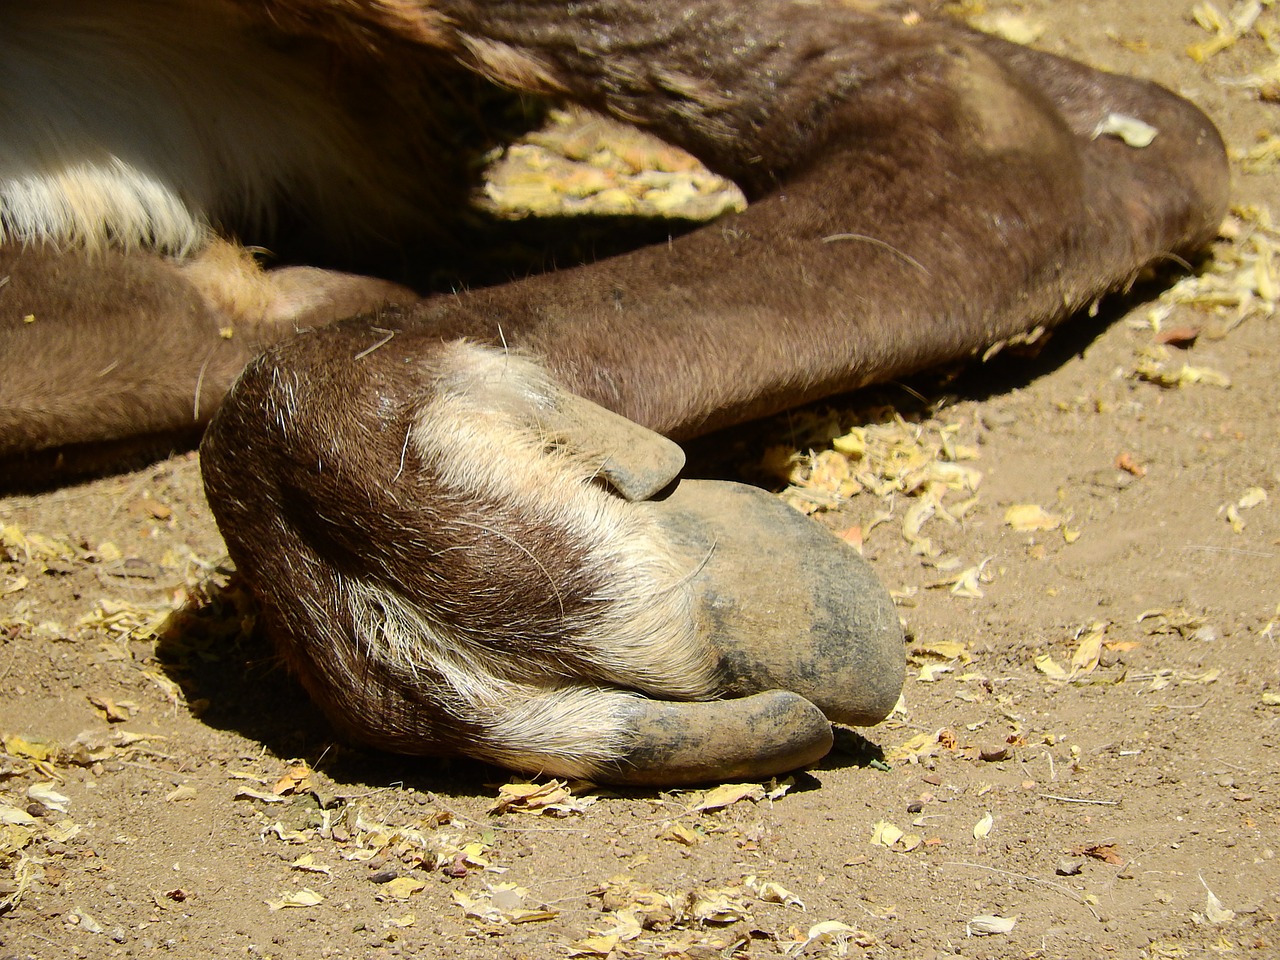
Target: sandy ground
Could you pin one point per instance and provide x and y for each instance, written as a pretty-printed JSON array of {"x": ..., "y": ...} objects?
[{"x": 1086, "y": 750}]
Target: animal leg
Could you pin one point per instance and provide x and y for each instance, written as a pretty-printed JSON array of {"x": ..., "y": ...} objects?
[
  {"x": 921, "y": 193},
  {"x": 111, "y": 353}
]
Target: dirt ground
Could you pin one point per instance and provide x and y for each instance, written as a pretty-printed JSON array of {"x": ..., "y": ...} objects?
[{"x": 1086, "y": 549}]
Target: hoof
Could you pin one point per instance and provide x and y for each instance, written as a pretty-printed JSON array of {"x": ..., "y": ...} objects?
[
  {"x": 786, "y": 604},
  {"x": 750, "y": 737}
]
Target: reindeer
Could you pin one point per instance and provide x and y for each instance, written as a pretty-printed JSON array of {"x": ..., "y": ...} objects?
[{"x": 462, "y": 514}]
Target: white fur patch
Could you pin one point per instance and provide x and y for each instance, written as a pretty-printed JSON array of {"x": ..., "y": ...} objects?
[
  {"x": 92, "y": 206},
  {"x": 490, "y": 428},
  {"x": 564, "y": 730}
]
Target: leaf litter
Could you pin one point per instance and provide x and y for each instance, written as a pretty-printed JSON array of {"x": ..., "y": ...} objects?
[
  {"x": 892, "y": 460},
  {"x": 579, "y": 165},
  {"x": 552, "y": 798}
]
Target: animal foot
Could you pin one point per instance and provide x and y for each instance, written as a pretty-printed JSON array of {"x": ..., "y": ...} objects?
[{"x": 457, "y": 556}]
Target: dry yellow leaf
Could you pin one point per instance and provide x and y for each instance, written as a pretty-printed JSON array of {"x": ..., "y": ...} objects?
[
  {"x": 307, "y": 863},
  {"x": 38, "y": 750},
  {"x": 777, "y": 789},
  {"x": 503, "y": 904},
  {"x": 719, "y": 906},
  {"x": 968, "y": 584},
  {"x": 729, "y": 794},
  {"x": 402, "y": 888},
  {"x": 1122, "y": 646},
  {"x": 930, "y": 672},
  {"x": 1252, "y": 498},
  {"x": 1214, "y": 911},
  {"x": 291, "y": 836},
  {"x": 679, "y": 833},
  {"x": 771, "y": 892},
  {"x": 1050, "y": 667},
  {"x": 111, "y": 711},
  {"x": 1234, "y": 518},
  {"x": 944, "y": 650},
  {"x": 838, "y": 934},
  {"x": 1027, "y": 517},
  {"x": 303, "y": 898},
  {"x": 885, "y": 834},
  {"x": 1089, "y": 650},
  {"x": 986, "y": 925},
  {"x": 246, "y": 794},
  {"x": 12, "y": 816},
  {"x": 913, "y": 750},
  {"x": 594, "y": 946},
  {"x": 552, "y": 798},
  {"x": 44, "y": 794},
  {"x": 1209, "y": 676},
  {"x": 297, "y": 779},
  {"x": 627, "y": 924}
]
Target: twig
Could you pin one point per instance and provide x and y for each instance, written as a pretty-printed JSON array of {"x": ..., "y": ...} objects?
[
  {"x": 1238, "y": 551},
  {"x": 1101, "y": 803},
  {"x": 389, "y": 336}
]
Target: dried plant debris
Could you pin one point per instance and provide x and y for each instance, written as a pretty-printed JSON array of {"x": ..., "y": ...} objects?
[
  {"x": 503, "y": 904},
  {"x": 988, "y": 925},
  {"x": 1085, "y": 657},
  {"x": 581, "y": 164},
  {"x": 1227, "y": 27},
  {"x": 34, "y": 820},
  {"x": 1177, "y": 620},
  {"x": 918, "y": 471},
  {"x": 1233, "y": 512},
  {"x": 1238, "y": 284},
  {"x": 642, "y": 920},
  {"x": 889, "y": 835},
  {"x": 836, "y": 937},
  {"x": 1156, "y": 365},
  {"x": 1030, "y": 517},
  {"x": 552, "y": 798},
  {"x": 306, "y": 897}
]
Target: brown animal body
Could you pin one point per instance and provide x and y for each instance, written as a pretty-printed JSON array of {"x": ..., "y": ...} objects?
[{"x": 454, "y": 547}]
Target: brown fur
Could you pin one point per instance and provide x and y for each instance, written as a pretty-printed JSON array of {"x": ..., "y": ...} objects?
[{"x": 420, "y": 518}]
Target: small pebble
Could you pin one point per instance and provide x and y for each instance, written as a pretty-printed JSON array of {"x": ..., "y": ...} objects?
[{"x": 1069, "y": 866}]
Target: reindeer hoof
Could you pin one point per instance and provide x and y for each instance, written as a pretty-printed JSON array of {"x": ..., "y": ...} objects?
[
  {"x": 786, "y": 603},
  {"x": 757, "y": 736}
]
